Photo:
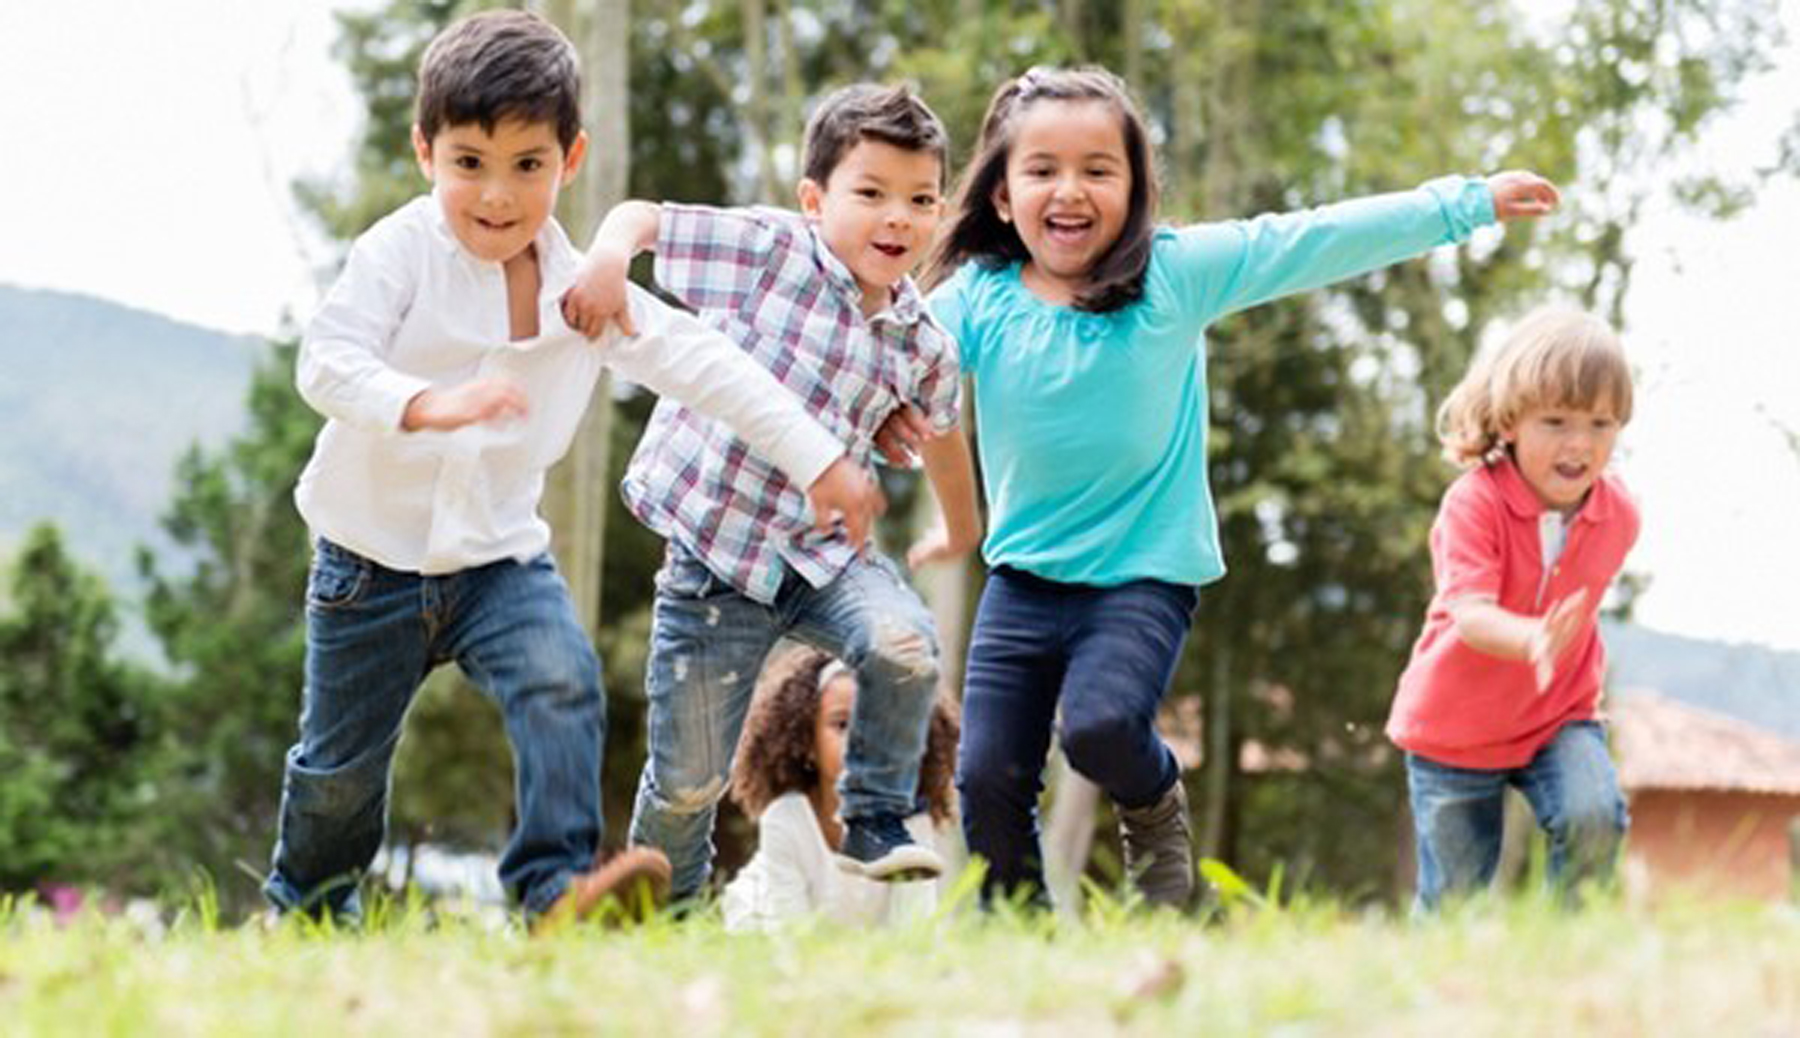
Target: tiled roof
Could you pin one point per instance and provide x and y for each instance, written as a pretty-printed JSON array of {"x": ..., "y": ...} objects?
[{"x": 1665, "y": 744}]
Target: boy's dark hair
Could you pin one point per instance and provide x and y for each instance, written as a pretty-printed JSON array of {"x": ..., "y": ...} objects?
[
  {"x": 500, "y": 65},
  {"x": 866, "y": 111},
  {"x": 775, "y": 754},
  {"x": 976, "y": 231}
]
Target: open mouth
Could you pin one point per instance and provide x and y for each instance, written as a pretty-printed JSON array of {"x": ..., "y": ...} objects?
[
  {"x": 889, "y": 250},
  {"x": 1068, "y": 229},
  {"x": 1571, "y": 470}
]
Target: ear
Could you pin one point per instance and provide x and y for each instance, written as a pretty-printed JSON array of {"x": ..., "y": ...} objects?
[
  {"x": 812, "y": 197},
  {"x": 421, "y": 150},
  {"x": 572, "y": 161},
  {"x": 1002, "y": 201}
]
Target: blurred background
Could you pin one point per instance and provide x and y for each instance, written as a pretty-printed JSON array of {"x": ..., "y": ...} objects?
[{"x": 174, "y": 212}]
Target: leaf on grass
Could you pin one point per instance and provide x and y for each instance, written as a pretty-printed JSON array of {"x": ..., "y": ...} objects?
[
  {"x": 1151, "y": 976},
  {"x": 1228, "y": 883}
]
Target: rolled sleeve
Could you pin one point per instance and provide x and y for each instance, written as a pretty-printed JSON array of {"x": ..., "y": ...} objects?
[{"x": 713, "y": 259}]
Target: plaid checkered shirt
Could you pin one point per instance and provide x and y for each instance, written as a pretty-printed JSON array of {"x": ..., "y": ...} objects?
[{"x": 763, "y": 277}]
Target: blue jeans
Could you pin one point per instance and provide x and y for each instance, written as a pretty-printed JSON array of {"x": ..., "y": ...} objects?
[
  {"x": 707, "y": 646},
  {"x": 372, "y": 634},
  {"x": 1459, "y": 814},
  {"x": 1106, "y": 656}
]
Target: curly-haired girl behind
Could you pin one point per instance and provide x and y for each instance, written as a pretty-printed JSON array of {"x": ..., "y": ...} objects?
[{"x": 785, "y": 776}]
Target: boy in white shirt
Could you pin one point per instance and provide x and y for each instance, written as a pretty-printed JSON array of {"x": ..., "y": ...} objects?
[{"x": 451, "y": 383}]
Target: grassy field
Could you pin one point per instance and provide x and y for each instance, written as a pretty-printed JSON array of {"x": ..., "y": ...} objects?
[{"x": 1514, "y": 968}]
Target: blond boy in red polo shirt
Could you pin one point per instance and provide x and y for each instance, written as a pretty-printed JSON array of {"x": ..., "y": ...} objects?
[{"x": 1505, "y": 680}]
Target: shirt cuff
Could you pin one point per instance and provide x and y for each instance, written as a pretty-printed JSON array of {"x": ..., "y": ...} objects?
[
  {"x": 1466, "y": 202},
  {"x": 388, "y": 393},
  {"x": 805, "y": 452}
]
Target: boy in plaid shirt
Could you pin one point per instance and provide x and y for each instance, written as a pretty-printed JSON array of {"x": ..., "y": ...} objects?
[{"x": 824, "y": 300}]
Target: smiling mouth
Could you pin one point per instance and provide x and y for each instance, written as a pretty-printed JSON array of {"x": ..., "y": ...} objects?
[
  {"x": 1068, "y": 228},
  {"x": 1571, "y": 471},
  {"x": 495, "y": 225},
  {"x": 890, "y": 251}
]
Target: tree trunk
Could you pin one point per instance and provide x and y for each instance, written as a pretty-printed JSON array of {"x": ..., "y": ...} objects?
[
  {"x": 1216, "y": 794},
  {"x": 575, "y": 499}
]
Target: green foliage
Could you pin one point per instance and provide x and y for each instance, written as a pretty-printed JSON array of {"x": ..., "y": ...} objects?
[
  {"x": 81, "y": 748},
  {"x": 233, "y": 627}
]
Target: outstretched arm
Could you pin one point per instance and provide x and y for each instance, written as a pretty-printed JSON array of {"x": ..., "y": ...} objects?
[
  {"x": 598, "y": 295},
  {"x": 1237, "y": 264},
  {"x": 1537, "y": 640}
]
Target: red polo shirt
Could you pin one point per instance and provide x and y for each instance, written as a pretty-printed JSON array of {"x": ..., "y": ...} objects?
[{"x": 1458, "y": 706}]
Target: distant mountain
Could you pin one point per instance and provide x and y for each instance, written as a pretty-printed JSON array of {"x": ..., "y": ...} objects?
[
  {"x": 97, "y": 403},
  {"x": 1748, "y": 682}
]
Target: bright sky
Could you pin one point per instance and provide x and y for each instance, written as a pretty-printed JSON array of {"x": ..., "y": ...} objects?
[{"x": 157, "y": 174}]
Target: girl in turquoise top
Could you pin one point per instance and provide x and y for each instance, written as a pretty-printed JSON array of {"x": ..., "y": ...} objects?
[{"x": 1081, "y": 323}]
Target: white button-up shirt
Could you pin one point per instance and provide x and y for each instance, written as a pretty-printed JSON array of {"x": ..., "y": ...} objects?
[{"x": 413, "y": 310}]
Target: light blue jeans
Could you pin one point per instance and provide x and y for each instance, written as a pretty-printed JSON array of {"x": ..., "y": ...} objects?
[
  {"x": 1459, "y": 814},
  {"x": 708, "y": 642},
  {"x": 372, "y": 634}
]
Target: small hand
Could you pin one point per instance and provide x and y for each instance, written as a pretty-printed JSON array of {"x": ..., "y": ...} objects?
[
  {"x": 900, "y": 435},
  {"x": 1520, "y": 194},
  {"x": 845, "y": 493},
  {"x": 1552, "y": 635},
  {"x": 599, "y": 295},
  {"x": 452, "y": 407}
]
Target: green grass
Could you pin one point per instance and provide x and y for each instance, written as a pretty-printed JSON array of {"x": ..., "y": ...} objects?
[{"x": 1518, "y": 967}]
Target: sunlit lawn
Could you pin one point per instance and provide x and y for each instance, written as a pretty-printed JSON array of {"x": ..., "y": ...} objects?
[{"x": 1519, "y": 967}]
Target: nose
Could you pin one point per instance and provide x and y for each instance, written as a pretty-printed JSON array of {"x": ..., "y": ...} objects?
[{"x": 494, "y": 191}]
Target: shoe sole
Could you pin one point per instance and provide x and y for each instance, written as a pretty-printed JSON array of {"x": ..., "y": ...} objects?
[
  {"x": 627, "y": 889},
  {"x": 899, "y": 866}
]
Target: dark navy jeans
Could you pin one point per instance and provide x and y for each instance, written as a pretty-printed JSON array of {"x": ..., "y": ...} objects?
[
  {"x": 1459, "y": 814},
  {"x": 372, "y": 634},
  {"x": 1105, "y": 656}
]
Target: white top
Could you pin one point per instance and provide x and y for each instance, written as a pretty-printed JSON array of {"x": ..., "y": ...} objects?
[
  {"x": 412, "y": 310},
  {"x": 793, "y": 875}
]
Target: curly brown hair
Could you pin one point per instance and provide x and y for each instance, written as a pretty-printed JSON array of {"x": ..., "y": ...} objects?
[{"x": 775, "y": 754}]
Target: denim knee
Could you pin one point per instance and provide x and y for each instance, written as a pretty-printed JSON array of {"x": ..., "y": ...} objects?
[
  {"x": 1093, "y": 741},
  {"x": 900, "y": 655},
  {"x": 1593, "y": 824}
]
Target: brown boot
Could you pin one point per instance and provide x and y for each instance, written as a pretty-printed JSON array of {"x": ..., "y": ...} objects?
[
  {"x": 626, "y": 889},
  {"x": 1159, "y": 852}
]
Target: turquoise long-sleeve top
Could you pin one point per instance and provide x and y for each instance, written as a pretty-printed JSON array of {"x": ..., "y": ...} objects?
[{"x": 1092, "y": 427}]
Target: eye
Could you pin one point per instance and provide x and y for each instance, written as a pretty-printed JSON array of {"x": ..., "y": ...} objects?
[
  {"x": 868, "y": 193},
  {"x": 530, "y": 164},
  {"x": 924, "y": 201},
  {"x": 469, "y": 163}
]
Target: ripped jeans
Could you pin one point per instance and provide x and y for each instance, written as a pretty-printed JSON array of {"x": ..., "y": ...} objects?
[{"x": 708, "y": 642}]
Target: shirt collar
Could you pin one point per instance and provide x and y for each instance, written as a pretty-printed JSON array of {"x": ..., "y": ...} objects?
[
  {"x": 1523, "y": 502},
  {"x": 556, "y": 254},
  {"x": 906, "y": 304}
]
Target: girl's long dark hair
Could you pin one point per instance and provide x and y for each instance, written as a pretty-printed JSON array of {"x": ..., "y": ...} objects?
[
  {"x": 976, "y": 231},
  {"x": 775, "y": 755}
]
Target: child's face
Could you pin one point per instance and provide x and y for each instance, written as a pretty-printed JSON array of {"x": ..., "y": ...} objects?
[
  {"x": 877, "y": 212},
  {"x": 1561, "y": 451},
  {"x": 1067, "y": 188},
  {"x": 831, "y": 729},
  {"x": 497, "y": 189}
]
